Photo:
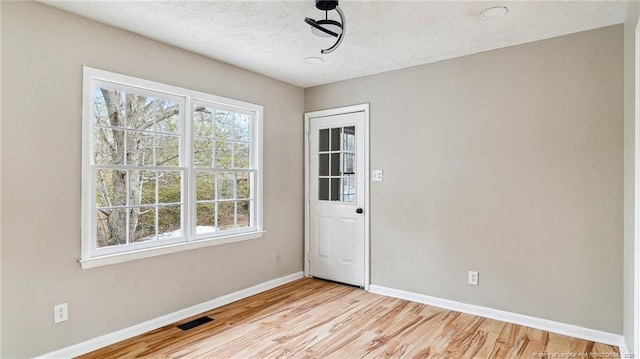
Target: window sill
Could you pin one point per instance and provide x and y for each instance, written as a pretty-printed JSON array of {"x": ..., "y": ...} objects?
[{"x": 171, "y": 248}]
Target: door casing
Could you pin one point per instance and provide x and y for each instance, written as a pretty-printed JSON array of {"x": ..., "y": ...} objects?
[{"x": 307, "y": 120}]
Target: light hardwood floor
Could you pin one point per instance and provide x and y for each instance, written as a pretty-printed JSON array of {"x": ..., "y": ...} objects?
[{"x": 311, "y": 318}]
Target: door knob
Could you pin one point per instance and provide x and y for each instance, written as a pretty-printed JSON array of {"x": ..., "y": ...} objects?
[{"x": 359, "y": 210}]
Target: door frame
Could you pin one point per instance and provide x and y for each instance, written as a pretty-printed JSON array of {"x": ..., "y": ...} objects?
[
  {"x": 307, "y": 199},
  {"x": 636, "y": 211}
]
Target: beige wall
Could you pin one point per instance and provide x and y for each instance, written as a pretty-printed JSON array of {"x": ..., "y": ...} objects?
[
  {"x": 508, "y": 162},
  {"x": 629, "y": 170},
  {"x": 43, "y": 50}
]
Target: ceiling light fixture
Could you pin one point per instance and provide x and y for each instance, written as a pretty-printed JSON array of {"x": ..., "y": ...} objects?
[
  {"x": 494, "y": 12},
  {"x": 326, "y": 27},
  {"x": 314, "y": 60}
]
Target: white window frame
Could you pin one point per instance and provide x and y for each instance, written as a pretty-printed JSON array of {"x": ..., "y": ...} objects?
[{"x": 91, "y": 256}]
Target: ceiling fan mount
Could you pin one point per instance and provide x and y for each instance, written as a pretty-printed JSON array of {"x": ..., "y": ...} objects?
[{"x": 327, "y": 27}]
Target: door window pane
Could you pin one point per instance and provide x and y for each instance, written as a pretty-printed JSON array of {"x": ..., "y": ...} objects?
[
  {"x": 335, "y": 189},
  {"x": 323, "y": 164},
  {"x": 349, "y": 139},
  {"x": 323, "y": 189},
  {"x": 335, "y": 139},
  {"x": 323, "y": 140},
  {"x": 336, "y": 169},
  {"x": 348, "y": 189},
  {"x": 348, "y": 161},
  {"x": 335, "y": 164}
]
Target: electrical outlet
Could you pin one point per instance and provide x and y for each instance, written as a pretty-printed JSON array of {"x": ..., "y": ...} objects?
[
  {"x": 60, "y": 313},
  {"x": 473, "y": 277},
  {"x": 376, "y": 175}
]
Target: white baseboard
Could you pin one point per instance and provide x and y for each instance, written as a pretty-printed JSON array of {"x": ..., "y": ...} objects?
[
  {"x": 624, "y": 350},
  {"x": 520, "y": 319},
  {"x": 126, "y": 333}
]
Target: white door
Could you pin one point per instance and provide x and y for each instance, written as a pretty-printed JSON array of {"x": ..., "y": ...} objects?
[{"x": 337, "y": 198}]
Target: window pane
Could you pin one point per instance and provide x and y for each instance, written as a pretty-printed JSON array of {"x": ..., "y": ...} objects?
[
  {"x": 243, "y": 220},
  {"x": 243, "y": 129},
  {"x": 335, "y": 139},
  {"x": 167, "y": 116},
  {"x": 169, "y": 187},
  {"x": 349, "y": 139},
  {"x": 108, "y": 146},
  {"x": 323, "y": 189},
  {"x": 142, "y": 187},
  {"x": 202, "y": 152},
  {"x": 223, "y": 154},
  {"x": 335, "y": 164},
  {"x": 348, "y": 189},
  {"x": 323, "y": 164},
  {"x": 348, "y": 161},
  {"x": 242, "y": 185},
  {"x": 140, "y": 112},
  {"x": 111, "y": 188},
  {"x": 225, "y": 185},
  {"x": 223, "y": 125},
  {"x": 108, "y": 109},
  {"x": 111, "y": 227},
  {"x": 335, "y": 189},
  {"x": 169, "y": 222},
  {"x": 205, "y": 218},
  {"x": 142, "y": 224},
  {"x": 139, "y": 148},
  {"x": 323, "y": 140},
  {"x": 203, "y": 122},
  {"x": 226, "y": 215},
  {"x": 241, "y": 155},
  {"x": 167, "y": 150},
  {"x": 205, "y": 186}
]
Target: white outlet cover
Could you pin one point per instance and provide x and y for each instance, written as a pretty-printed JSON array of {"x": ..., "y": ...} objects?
[
  {"x": 376, "y": 175},
  {"x": 473, "y": 277},
  {"x": 61, "y": 313}
]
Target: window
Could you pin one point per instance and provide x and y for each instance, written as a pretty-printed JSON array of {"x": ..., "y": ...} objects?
[
  {"x": 336, "y": 164},
  {"x": 165, "y": 169}
]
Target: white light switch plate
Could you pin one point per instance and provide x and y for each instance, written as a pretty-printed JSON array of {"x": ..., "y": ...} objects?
[{"x": 376, "y": 175}]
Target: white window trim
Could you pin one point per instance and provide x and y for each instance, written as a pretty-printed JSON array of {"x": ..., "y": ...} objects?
[{"x": 88, "y": 258}]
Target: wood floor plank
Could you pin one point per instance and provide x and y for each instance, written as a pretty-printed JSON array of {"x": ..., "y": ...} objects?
[{"x": 311, "y": 318}]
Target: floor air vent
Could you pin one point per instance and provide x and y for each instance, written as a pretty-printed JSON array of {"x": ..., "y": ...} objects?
[{"x": 194, "y": 323}]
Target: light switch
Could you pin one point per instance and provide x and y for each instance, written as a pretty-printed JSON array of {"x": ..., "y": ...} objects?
[{"x": 376, "y": 175}]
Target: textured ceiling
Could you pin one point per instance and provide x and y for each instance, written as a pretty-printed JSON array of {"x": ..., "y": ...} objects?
[{"x": 270, "y": 37}]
